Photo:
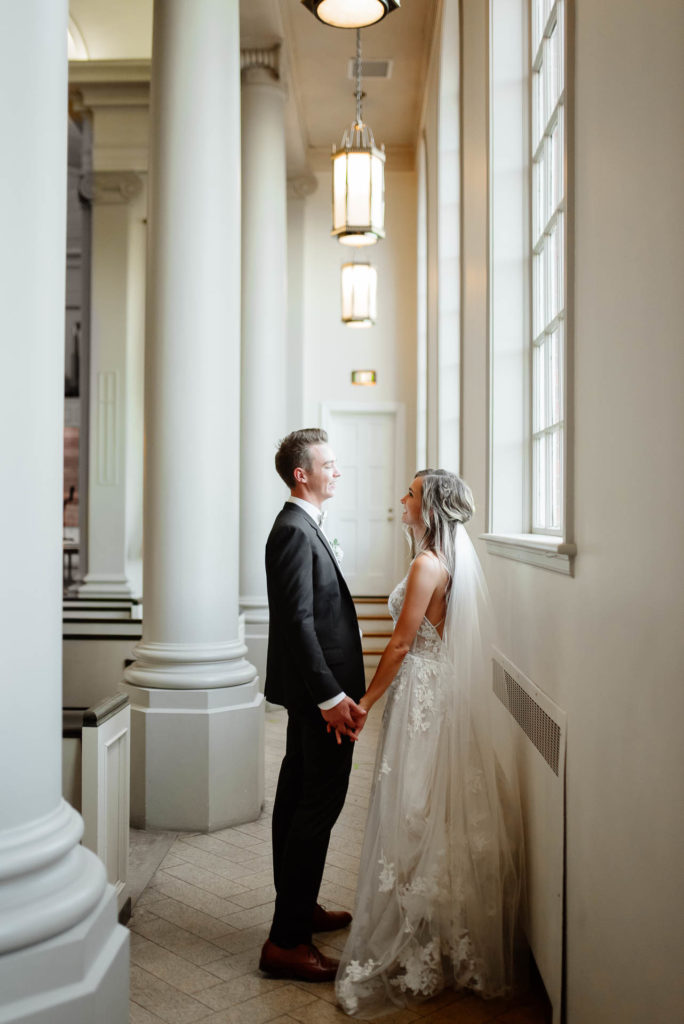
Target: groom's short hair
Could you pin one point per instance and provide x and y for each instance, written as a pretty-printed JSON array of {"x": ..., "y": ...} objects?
[{"x": 295, "y": 451}]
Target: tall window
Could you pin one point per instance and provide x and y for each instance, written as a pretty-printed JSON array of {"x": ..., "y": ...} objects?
[
  {"x": 548, "y": 263},
  {"x": 529, "y": 516}
]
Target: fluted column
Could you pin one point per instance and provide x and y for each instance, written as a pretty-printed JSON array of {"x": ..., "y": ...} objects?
[
  {"x": 197, "y": 715},
  {"x": 114, "y": 556},
  {"x": 264, "y": 330},
  {"x": 64, "y": 957}
]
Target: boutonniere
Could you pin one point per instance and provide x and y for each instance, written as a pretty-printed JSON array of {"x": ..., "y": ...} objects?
[{"x": 337, "y": 550}]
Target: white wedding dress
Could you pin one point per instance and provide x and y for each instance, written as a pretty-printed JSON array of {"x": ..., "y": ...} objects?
[{"x": 440, "y": 881}]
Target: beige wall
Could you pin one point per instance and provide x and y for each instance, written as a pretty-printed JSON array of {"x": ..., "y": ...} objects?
[
  {"x": 332, "y": 350},
  {"x": 607, "y": 645}
]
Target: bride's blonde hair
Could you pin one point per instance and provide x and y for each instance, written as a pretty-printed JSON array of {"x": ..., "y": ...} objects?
[{"x": 446, "y": 501}]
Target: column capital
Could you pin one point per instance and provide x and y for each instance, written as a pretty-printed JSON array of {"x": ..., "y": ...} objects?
[
  {"x": 262, "y": 58},
  {"x": 111, "y": 187},
  {"x": 302, "y": 186}
]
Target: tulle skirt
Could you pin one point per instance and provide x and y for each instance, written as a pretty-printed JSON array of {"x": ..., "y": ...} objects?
[{"x": 441, "y": 875}]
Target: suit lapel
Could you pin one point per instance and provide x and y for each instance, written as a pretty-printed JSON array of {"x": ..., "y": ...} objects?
[{"x": 322, "y": 538}]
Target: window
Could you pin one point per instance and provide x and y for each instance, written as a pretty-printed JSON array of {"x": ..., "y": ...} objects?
[
  {"x": 529, "y": 508},
  {"x": 548, "y": 264}
]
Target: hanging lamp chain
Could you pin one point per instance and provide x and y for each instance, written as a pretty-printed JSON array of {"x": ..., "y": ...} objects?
[{"x": 358, "y": 76}]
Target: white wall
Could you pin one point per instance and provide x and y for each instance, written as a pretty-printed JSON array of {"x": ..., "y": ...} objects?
[
  {"x": 606, "y": 645},
  {"x": 331, "y": 350}
]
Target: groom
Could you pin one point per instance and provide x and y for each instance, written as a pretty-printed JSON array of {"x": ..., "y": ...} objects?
[{"x": 314, "y": 668}]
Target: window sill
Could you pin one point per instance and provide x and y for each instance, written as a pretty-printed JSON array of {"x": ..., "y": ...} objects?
[{"x": 551, "y": 553}]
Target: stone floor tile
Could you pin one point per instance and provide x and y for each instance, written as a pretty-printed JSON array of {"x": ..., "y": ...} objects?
[
  {"x": 254, "y": 897},
  {"x": 226, "y": 969},
  {"x": 340, "y": 876},
  {"x": 271, "y": 1007},
  {"x": 256, "y": 880},
  {"x": 243, "y": 941},
  {"x": 169, "y": 967},
  {"x": 166, "y": 1002},
  {"x": 177, "y": 940},
  {"x": 253, "y": 916},
  {"x": 239, "y": 990},
  {"x": 193, "y": 896},
  {"x": 260, "y": 829},
  {"x": 236, "y": 836},
  {"x": 139, "y": 1015},
  {"x": 222, "y": 848},
  {"x": 195, "y": 921},
  {"x": 318, "y": 1012},
  {"x": 221, "y": 885},
  {"x": 189, "y": 854},
  {"x": 331, "y": 891}
]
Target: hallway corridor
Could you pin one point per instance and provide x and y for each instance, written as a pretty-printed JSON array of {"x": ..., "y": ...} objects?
[{"x": 198, "y": 926}]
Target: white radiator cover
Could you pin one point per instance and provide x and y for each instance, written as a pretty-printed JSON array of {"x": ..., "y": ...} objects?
[{"x": 539, "y": 744}]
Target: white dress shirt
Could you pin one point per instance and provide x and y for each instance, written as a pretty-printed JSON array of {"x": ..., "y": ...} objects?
[{"x": 315, "y": 513}]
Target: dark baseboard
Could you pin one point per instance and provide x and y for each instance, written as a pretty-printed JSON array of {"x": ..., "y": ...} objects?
[{"x": 125, "y": 912}]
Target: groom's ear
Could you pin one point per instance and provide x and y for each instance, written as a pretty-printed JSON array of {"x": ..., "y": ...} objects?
[{"x": 299, "y": 475}]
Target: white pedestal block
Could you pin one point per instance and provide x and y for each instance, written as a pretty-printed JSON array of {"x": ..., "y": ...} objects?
[
  {"x": 80, "y": 976},
  {"x": 96, "y": 585},
  {"x": 197, "y": 759}
]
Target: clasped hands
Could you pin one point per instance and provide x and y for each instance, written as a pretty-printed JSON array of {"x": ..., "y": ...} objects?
[{"x": 346, "y": 719}]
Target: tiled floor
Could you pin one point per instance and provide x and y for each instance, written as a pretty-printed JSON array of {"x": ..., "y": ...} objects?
[{"x": 198, "y": 926}]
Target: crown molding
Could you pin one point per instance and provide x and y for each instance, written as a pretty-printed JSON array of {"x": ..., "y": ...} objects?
[
  {"x": 110, "y": 72},
  {"x": 110, "y": 188}
]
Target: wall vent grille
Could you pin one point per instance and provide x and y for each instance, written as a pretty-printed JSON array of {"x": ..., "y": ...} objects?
[
  {"x": 538, "y": 726},
  {"x": 370, "y": 68}
]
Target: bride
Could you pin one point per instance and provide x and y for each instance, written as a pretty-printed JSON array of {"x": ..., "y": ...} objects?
[{"x": 440, "y": 881}]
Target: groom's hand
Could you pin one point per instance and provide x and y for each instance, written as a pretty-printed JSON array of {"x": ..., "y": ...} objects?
[{"x": 346, "y": 718}]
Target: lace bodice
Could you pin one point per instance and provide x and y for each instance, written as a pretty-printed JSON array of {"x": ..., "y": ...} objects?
[{"x": 427, "y": 642}]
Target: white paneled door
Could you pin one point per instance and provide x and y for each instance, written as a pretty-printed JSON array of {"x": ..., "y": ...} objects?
[{"x": 365, "y": 514}]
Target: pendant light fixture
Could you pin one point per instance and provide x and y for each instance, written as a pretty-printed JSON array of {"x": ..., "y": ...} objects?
[
  {"x": 351, "y": 13},
  {"x": 358, "y": 181},
  {"x": 359, "y": 294}
]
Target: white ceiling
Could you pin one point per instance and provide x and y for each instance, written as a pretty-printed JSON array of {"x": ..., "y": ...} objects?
[{"x": 316, "y": 63}]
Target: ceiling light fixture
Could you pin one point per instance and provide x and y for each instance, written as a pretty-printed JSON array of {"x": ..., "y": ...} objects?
[
  {"x": 359, "y": 294},
  {"x": 358, "y": 199},
  {"x": 351, "y": 13}
]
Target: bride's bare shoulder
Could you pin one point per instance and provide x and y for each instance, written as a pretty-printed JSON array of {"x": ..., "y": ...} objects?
[{"x": 426, "y": 563}]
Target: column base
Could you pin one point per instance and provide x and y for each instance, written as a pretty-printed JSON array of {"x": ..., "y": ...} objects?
[
  {"x": 255, "y": 615},
  {"x": 78, "y": 977},
  {"x": 106, "y": 586},
  {"x": 197, "y": 756}
]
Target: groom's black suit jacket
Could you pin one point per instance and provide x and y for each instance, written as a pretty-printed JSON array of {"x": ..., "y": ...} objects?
[{"x": 314, "y": 647}]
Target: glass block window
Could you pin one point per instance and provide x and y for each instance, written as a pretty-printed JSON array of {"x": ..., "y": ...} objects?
[{"x": 548, "y": 263}]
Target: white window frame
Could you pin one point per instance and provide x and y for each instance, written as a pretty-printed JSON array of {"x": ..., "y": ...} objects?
[{"x": 513, "y": 330}]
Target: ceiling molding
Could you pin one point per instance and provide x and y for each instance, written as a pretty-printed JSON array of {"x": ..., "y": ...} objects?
[{"x": 110, "y": 72}]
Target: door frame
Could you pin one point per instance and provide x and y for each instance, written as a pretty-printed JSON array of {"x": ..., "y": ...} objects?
[{"x": 398, "y": 410}]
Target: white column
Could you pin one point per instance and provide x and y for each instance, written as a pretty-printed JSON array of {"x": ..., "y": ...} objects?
[
  {"x": 264, "y": 331},
  {"x": 64, "y": 957},
  {"x": 197, "y": 714},
  {"x": 299, "y": 188},
  {"x": 114, "y": 556}
]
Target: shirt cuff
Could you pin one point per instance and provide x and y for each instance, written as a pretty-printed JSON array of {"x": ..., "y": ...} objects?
[{"x": 332, "y": 702}]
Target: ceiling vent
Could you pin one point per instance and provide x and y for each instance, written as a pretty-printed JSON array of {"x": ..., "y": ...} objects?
[{"x": 370, "y": 68}]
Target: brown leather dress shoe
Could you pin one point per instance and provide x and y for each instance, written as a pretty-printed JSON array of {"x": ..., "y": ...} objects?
[
  {"x": 304, "y": 963},
  {"x": 329, "y": 920}
]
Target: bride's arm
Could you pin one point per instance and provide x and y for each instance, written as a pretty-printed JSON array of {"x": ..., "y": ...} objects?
[{"x": 423, "y": 579}]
